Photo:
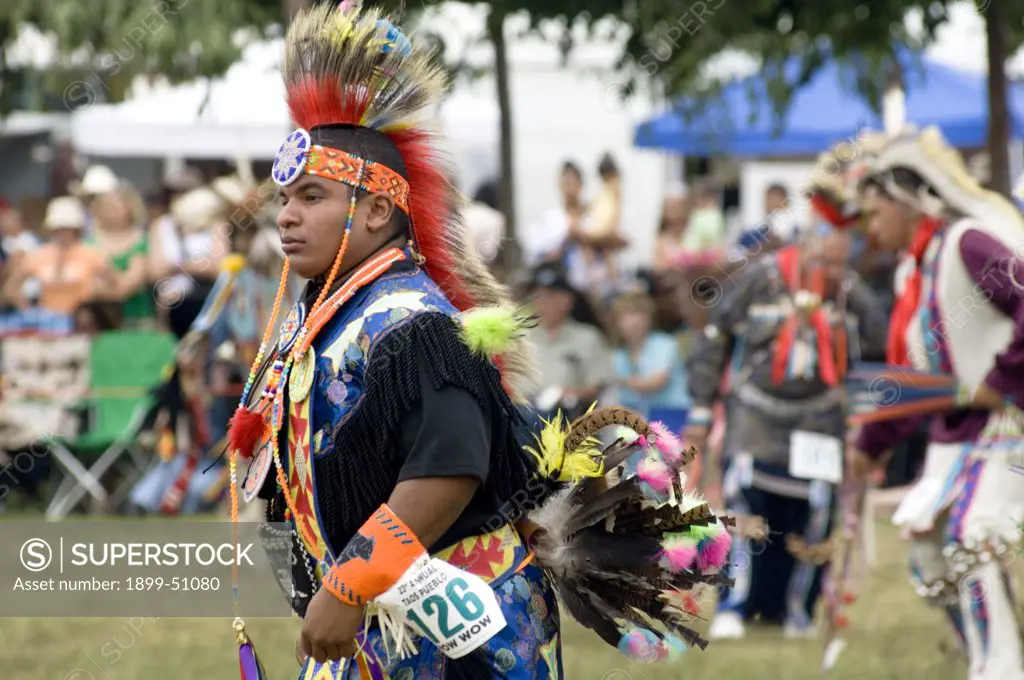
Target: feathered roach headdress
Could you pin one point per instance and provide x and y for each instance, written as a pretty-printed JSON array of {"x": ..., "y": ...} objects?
[
  {"x": 353, "y": 67},
  {"x": 352, "y": 71},
  {"x": 828, "y": 190}
]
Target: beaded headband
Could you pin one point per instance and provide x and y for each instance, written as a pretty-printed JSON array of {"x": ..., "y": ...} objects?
[{"x": 298, "y": 156}]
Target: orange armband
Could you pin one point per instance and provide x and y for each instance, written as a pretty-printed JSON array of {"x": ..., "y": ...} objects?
[{"x": 374, "y": 560}]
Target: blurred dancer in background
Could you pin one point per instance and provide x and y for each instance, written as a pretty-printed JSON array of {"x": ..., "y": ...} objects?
[
  {"x": 787, "y": 334},
  {"x": 959, "y": 313}
]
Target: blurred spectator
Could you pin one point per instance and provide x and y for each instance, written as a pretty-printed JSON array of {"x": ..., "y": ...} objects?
[
  {"x": 545, "y": 240},
  {"x": 573, "y": 358},
  {"x": 779, "y": 225},
  {"x": 64, "y": 273},
  {"x": 158, "y": 203},
  {"x": 675, "y": 216},
  {"x": 17, "y": 239},
  {"x": 485, "y": 223},
  {"x": 119, "y": 236},
  {"x": 185, "y": 255},
  {"x": 706, "y": 230},
  {"x": 599, "y": 236},
  {"x": 649, "y": 371},
  {"x": 97, "y": 181}
]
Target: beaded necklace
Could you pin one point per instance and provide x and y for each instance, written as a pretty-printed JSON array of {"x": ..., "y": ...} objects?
[{"x": 367, "y": 273}]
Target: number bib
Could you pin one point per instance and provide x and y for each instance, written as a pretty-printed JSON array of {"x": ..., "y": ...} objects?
[
  {"x": 455, "y": 610},
  {"x": 816, "y": 457}
]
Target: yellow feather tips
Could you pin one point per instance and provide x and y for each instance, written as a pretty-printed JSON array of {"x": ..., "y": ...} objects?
[
  {"x": 555, "y": 462},
  {"x": 371, "y": 59},
  {"x": 491, "y": 331},
  {"x": 340, "y": 29}
]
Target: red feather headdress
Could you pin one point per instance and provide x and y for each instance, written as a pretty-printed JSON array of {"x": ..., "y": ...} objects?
[
  {"x": 352, "y": 67},
  {"x": 356, "y": 68}
]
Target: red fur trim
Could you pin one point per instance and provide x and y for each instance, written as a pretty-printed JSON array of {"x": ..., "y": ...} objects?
[
  {"x": 244, "y": 431},
  {"x": 321, "y": 102},
  {"x": 430, "y": 211}
]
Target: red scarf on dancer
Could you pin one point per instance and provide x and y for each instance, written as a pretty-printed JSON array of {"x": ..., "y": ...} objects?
[
  {"x": 828, "y": 368},
  {"x": 906, "y": 305}
]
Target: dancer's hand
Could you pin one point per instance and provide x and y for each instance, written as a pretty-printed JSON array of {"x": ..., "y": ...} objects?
[
  {"x": 330, "y": 628},
  {"x": 987, "y": 399}
]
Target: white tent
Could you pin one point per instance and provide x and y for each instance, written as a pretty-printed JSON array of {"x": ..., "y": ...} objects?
[{"x": 243, "y": 113}]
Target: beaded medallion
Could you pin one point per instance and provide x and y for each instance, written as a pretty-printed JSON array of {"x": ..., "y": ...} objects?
[
  {"x": 291, "y": 158},
  {"x": 258, "y": 471},
  {"x": 301, "y": 379}
]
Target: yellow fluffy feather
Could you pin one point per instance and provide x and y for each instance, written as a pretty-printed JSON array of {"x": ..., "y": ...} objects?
[{"x": 555, "y": 462}]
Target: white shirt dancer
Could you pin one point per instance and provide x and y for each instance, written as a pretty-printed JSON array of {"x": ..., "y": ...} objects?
[{"x": 959, "y": 311}]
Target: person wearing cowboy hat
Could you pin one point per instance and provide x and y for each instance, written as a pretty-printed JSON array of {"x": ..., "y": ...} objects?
[
  {"x": 65, "y": 272},
  {"x": 574, "y": 358}
]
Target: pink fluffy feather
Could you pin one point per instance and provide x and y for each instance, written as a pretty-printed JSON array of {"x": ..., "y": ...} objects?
[
  {"x": 655, "y": 474},
  {"x": 668, "y": 444},
  {"x": 713, "y": 552},
  {"x": 678, "y": 555}
]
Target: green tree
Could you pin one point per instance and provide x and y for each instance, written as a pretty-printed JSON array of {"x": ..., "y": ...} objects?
[
  {"x": 104, "y": 44},
  {"x": 673, "y": 39}
]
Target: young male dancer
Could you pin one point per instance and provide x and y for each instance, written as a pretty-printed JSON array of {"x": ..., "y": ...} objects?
[{"x": 385, "y": 434}]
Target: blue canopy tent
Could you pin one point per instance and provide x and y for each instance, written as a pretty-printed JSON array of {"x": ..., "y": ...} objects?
[{"x": 826, "y": 111}]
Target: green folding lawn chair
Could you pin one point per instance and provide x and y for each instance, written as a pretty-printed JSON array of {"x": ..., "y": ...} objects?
[{"x": 125, "y": 366}]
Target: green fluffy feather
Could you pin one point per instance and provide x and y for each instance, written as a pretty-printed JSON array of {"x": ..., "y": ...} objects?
[
  {"x": 698, "y": 533},
  {"x": 492, "y": 330}
]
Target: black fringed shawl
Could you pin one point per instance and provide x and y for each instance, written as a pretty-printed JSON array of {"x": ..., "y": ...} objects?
[{"x": 362, "y": 471}]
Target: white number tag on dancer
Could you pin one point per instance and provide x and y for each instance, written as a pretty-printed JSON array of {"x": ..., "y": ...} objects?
[
  {"x": 815, "y": 456},
  {"x": 452, "y": 608}
]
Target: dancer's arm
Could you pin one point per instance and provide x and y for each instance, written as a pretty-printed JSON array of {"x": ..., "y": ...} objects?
[
  {"x": 999, "y": 277},
  {"x": 714, "y": 346},
  {"x": 875, "y": 439}
]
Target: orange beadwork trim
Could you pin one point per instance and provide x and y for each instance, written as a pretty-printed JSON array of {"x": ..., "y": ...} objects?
[
  {"x": 375, "y": 559},
  {"x": 344, "y": 167},
  {"x": 320, "y": 313}
]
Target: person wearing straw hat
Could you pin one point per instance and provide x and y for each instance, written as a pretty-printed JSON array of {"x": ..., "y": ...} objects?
[
  {"x": 65, "y": 272},
  {"x": 185, "y": 260},
  {"x": 959, "y": 312}
]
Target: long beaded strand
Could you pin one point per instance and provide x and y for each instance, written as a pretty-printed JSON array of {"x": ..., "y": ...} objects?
[
  {"x": 276, "y": 413},
  {"x": 281, "y": 287},
  {"x": 233, "y": 452}
]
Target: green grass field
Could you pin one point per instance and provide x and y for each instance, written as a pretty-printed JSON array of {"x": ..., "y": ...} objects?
[{"x": 893, "y": 636}]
